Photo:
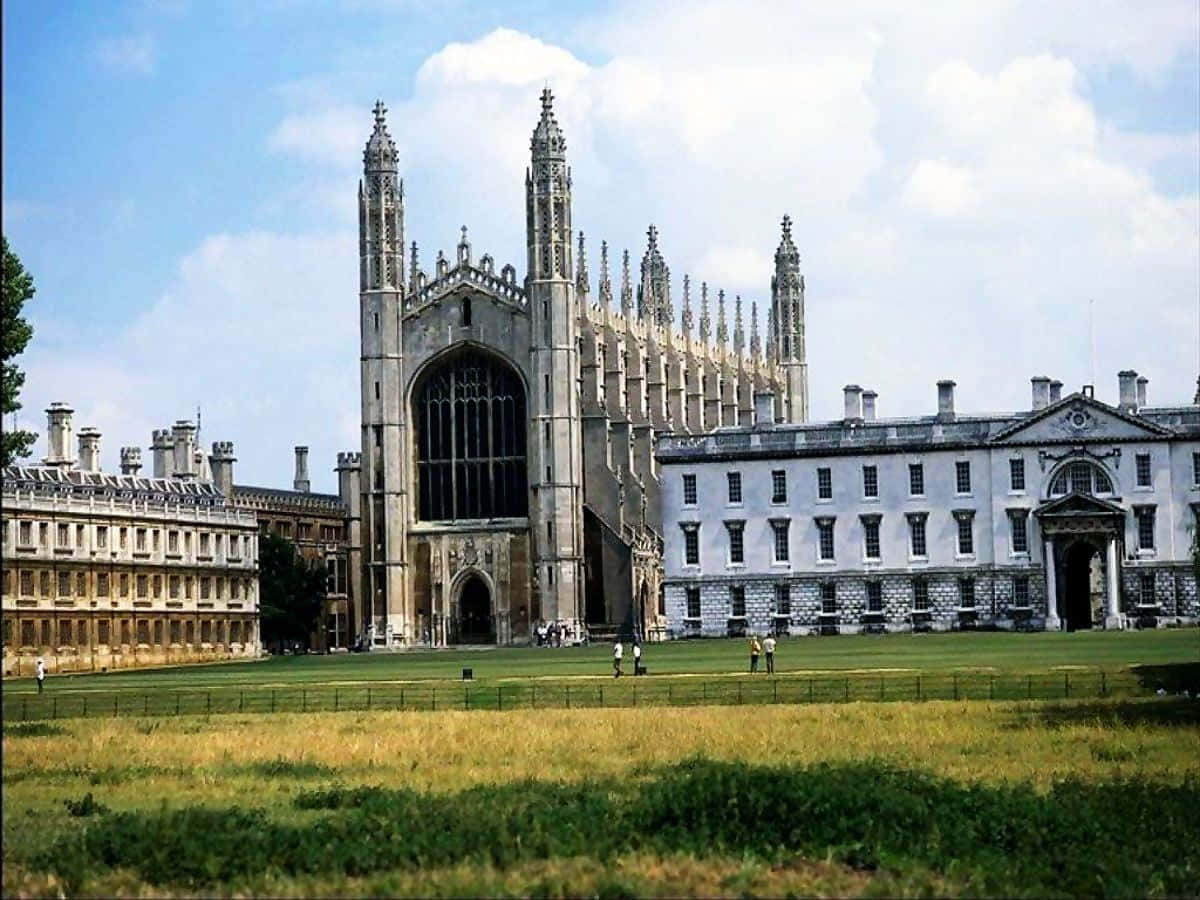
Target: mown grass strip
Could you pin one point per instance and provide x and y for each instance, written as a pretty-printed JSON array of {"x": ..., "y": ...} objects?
[{"x": 1118, "y": 838}]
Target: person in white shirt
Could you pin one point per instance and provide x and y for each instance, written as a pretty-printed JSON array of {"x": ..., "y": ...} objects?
[
  {"x": 40, "y": 671},
  {"x": 637, "y": 659},
  {"x": 618, "y": 652},
  {"x": 769, "y": 649}
]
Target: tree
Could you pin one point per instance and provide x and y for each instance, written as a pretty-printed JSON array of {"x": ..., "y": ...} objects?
[
  {"x": 16, "y": 332},
  {"x": 291, "y": 593}
]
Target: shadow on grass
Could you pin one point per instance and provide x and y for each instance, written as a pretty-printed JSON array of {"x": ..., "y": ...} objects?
[
  {"x": 1170, "y": 712},
  {"x": 1173, "y": 678}
]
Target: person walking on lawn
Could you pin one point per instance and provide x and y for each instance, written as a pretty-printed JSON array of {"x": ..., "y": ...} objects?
[
  {"x": 618, "y": 652},
  {"x": 755, "y": 649},
  {"x": 769, "y": 649},
  {"x": 40, "y": 672}
]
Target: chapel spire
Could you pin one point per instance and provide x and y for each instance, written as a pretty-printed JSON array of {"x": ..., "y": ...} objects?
[
  {"x": 739, "y": 336},
  {"x": 581, "y": 272},
  {"x": 722, "y": 328},
  {"x": 548, "y": 199},
  {"x": 381, "y": 211},
  {"x": 705, "y": 321},
  {"x": 755, "y": 344},
  {"x": 787, "y": 306},
  {"x": 626, "y": 287},
  {"x": 605, "y": 286},
  {"x": 685, "y": 316}
]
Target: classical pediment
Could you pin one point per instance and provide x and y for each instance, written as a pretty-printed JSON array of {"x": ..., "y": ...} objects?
[
  {"x": 1079, "y": 419},
  {"x": 1078, "y": 506},
  {"x": 467, "y": 279}
]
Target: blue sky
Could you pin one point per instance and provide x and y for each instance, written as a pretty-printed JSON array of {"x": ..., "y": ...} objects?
[{"x": 179, "y": 177}]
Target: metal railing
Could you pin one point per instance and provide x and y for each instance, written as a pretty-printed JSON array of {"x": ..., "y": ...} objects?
[{"x": 829, "y": 687}]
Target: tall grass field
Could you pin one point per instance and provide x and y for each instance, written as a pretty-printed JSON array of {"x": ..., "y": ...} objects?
[{"x": 1081, "y": 797}]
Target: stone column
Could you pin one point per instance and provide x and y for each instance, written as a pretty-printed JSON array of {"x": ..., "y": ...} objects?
[
  {"x": 1113, "y": 620},
  {"x": 1053, "y": 623}
]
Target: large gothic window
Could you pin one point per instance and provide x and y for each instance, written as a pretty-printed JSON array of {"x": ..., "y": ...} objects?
[{"x": 470, "y": 428}]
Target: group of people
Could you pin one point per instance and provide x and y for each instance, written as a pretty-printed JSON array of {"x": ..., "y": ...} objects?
[
  {"x": 551, "y": 634},
  {"x": 757, "y": 649},
  {"x": 619, "y": 653}
]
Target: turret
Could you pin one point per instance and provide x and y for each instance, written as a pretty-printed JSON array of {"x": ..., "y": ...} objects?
[
  {"x": 380, "y": 211},
  {"x": 787, "y": 305},
  {"x": 221, "y": 460},
  {"x": 183, "y": 439},
  {"x": 163, "y": 452},
  {"x": 131, "y": 460},
  {"x": 654, "y": 293}
]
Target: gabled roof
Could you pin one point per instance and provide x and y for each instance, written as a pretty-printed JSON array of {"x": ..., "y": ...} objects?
[
  {"x": 479, "y": 279},
  {"x": 1079, "y": 417},
  {"x": 1077, "y": 504}
]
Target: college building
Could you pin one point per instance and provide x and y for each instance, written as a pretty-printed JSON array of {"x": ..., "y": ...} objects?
[{"x": 1070, "y": 515}]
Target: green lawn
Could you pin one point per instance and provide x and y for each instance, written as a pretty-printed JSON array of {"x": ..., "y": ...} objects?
[{"x": 1000, "y": 652}]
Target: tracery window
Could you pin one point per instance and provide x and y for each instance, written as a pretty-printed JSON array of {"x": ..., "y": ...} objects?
[
  {"x": 1082, "y": 478},
  {"x": 470, "y": 424}
]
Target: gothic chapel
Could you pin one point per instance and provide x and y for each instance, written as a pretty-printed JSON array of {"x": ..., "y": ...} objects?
[{"x": 507, "y": 473}]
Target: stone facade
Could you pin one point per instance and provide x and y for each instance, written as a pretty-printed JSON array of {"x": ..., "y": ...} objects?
[
  {"x": 477, "y": 522},
  {"x": 1073, "y": 514},
  {"x": 112, "y": 571}
]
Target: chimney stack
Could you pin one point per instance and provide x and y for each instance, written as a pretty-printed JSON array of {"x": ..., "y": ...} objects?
[
  {"x": 1041, "y": 392},
  {"x": 868, "y": 405},
  {"x": 162, "y": 448},
  {"x": 1127, "y": 388},
  {"x": 221, "y": 461},
  {"x": 89, "y": 449},
  {"x": 183, "y": 437},
  {"x": 1141, "y": 391},
  {"x": 945, "y": 400},
  {"x": 58, "y": 435},
  {"x": 300, "y": 482},
  {"x": 1055, "y": 391},
  {"x": 131, "y": 460},
  {"x": 853, "y": 397},
  {"x": 764, "y": 409}
]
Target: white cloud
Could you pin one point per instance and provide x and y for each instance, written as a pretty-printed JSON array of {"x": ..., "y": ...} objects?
[
  {"x": 132, "y": 53},
  {"x": 937, "y": 188}
]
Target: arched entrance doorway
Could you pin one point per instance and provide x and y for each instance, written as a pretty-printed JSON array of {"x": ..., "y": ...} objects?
[
  {"x": 476, "y": 624},
  {"x": 1081, "y": 582}
]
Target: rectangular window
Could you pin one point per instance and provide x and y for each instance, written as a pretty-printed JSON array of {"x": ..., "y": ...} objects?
[
  {"x": 916, "y": 536},
  {"x": 64, "y": 632},
  {"x": 966, "y": 592},
  {"x": 966, "y": 534},
  {"x": 25, "y": 534},
  {"x": 143, "y": 587},
  {"x": 962, "y": 476},
  {"x": 81, "y": 584},
  {"x": 64, "y": 584},
  {"x": 874, "y": 597},
  {"x": 64, "y": 536},
  {"x": 205, "y": 587},
  {"x": 1147, "y": 597},
  {"x": 43, "y": 535},
  {"x": 1021, "y": 591},
  {"x": 871, "y": 537},
  {"x": 737, "y": 602},
  {"x": 779, "y": 486},
  {"x": 26, "y": 583},
  {"x": 735, "y": 486},
  {"x": 870, "y": 481},
  {"x": 173, "y": 587},
  {"x": 689, "y": 490},
  {"x": 139, "y": 540},
  {"x": 1016, "y": 474},
  {"x": 825, "y": 538},
  {"x": 1145, "y": 526},
  {"x": 737, "y": 553},
  {"x": 1018, "y": 522},
  {"x": 693, "y": 603},
  {"x": 79, "y": 541},
  {"x": 828, "y": 598},
  {"x": 124, "y": 582},
  {"x": 781, "y": 540},
  {"x": 783, "y": 600},
  {"x": 124, "y": 538},
  {"x": 1143, "y": 469},
  {"x": 154, "y": 539},
  {"x": 1196, "y": 469},
  {"x": 691, "y": 545},
  {"x": 824, "y": 484},
  {"x": 102, "y": 537},
  {"x": 920, "y": 595},
  {"x": 205, "y": 544},
  {"x": 916, "y": 479},
  {"x": 172, "y": 541}
]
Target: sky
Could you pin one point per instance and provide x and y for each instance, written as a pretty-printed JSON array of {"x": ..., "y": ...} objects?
[{"x": 982, "y": 191}]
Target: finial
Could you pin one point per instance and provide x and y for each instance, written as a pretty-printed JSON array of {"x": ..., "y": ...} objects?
[
  {"x": 787, "y": 227},
  {"x": 722, "y": 329},
  {"x": 605, "y": 283},
  {"x": 581, "y": 272},
  {"x": 652, "y": 234},
  {"x": 626, "y": 287},
  {"x": 464, "y": 234},
  {"x": 685, "y": 316},
  {"x": 380, "y": 112},
  {"x": 738, "y": 334},
  {"x": 547, "y": 100},
  {"x": 705, "y": 321}
]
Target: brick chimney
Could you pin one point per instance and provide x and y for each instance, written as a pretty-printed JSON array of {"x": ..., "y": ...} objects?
[
  {"x": 868, "y": 405},
  {"x": 300, "y": 482},
  {"x": 945, "y": 400},
  {"x": 58, "y": 436},
  {"x": 1127, "y": 389},
  {"x": 1041, "y": 392},
  {"x": 89, "y": 449},
  {"x": 852, "y": 395}
]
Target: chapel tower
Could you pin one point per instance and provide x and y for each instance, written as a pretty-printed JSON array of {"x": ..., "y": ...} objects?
[
  {"x": 556, "y": 454},
  {"x": 787, "y": 338},
  {"x": 384, "y": 472}
]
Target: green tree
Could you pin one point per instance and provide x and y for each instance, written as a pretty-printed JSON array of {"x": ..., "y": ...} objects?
[
  {"x": 15, "y": 334},
  {"x": 291, "y": 593}
]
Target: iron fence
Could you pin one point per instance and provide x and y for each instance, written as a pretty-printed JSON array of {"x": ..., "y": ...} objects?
[{"x": 825, "y": 687}]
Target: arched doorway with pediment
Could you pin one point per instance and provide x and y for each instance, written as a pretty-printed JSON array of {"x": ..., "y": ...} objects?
[{"x": 1083, "y": 585}]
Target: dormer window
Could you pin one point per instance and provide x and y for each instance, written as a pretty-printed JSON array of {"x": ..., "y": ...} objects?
[{"x": 1080, "y": 478}]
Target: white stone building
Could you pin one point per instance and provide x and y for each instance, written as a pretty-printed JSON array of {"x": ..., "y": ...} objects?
[{"x": 1073, "y": 514}]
